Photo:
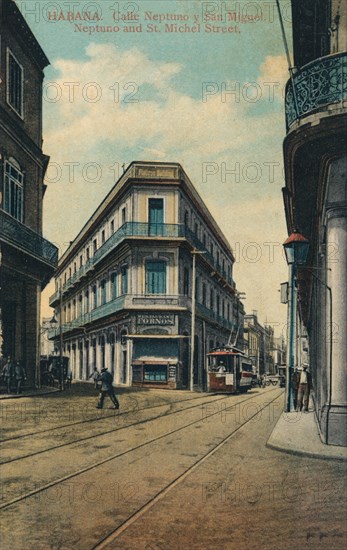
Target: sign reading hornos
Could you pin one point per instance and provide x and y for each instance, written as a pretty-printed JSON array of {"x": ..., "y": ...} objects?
[{"x": 156, "y": 319}]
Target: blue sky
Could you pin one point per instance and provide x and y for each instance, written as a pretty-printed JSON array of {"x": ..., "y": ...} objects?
[{"x": 114, "y": 97}]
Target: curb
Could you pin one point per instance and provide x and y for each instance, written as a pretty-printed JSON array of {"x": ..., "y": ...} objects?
[
  {"x": 307, "y": 454},
  {"x": 33, "y": 394}
]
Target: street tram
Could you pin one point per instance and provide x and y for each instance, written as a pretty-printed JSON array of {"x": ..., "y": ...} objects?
[{"x": 229, "y": 370}]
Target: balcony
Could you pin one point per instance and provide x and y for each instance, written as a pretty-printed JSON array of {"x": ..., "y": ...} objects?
[
  {"x": 318, "y": 84},
  {"x": 138, "y": 229},
  {"x": 26, "y": 240},
  {"x": 142, "y": 230}
]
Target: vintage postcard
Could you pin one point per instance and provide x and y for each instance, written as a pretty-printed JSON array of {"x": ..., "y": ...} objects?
[{"x": 173, "y": 274}]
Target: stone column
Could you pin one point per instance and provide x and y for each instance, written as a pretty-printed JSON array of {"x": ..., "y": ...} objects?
[{"x": 336, "y": 410}]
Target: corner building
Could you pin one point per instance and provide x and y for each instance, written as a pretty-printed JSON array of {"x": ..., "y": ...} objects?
[
  {"x": 27, "y": 260},
  {"x": 124, "y": 286},
  {"x": 315, "y": 199}
]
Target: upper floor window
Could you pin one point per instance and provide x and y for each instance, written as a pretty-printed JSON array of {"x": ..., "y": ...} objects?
[
  {"x": 103, "y": 236},
  {"x": 81, "y": 260},
  {"x": 124, "y": 215},
  {"x": 114, "y": 286},
  {"x": 95, "y": 298},
  {"x": 13, "y": 190},
  {"x": 186, "y": 218},
  {"x": 156, "y": 277},
  {"x": 14, "y": 84},
  {"x": 103, "y": 292},
  {"x": 95, "y": 246},
  {"x": 112, "y": 227},
  {"x": 88, "y": 253},
  {"x": 124, "y": 287},
  {"x": 186, "y": 281},
  {"x": 204, "y": 294},
  {"x": 156, "y": 216}
]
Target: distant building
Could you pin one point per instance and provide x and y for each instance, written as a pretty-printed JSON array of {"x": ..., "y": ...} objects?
[
  {"x": 27, "y": 260},
  {"x": 124, "y": 286},
  {"x": 315, "y": 199},
  {"x": 278, "y": 352},
  {"x": 46, "y": 345},
  {"x": 259, "y": 344}
]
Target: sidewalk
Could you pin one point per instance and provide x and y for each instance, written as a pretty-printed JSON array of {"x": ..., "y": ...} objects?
[
  {"x": 30, "y": 392},
  {"x": 297, "y": 433}
]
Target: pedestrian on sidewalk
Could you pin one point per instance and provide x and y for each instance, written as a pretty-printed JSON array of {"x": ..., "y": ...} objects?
[
  {"x": 106, "y": 380},
  {"x": 95, "y": 375},
  {"x": 305, "y": 386},
  {"x": 7, "y": 373},
  {"x": 295, "y": 387},
  {"x": 20, "y": 376}
]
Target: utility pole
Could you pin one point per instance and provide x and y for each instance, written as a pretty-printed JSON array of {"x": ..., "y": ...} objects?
[{"x": 192, "y": 336}]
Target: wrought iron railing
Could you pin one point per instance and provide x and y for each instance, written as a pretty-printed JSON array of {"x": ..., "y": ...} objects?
[
  {"x": 319, "y": 83},
  {"x": 22, "y": 237},
  {"x": 140, "y": 229}
]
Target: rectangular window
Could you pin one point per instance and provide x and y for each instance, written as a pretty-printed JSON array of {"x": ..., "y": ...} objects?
[
  {"x": 103, "y": 293},
  {"x": 186, "y": 281},
  {"x": 156, "y": 216},
  {"x": 95, "y": 246},
  {"x": 95, "y": 297},
  {"x": 86, "y": 302},
  {"x": 211, "y": 299},
  {"x": 125, "y": 280},
  {"x": 112, "y": 227},
  {"x": 204, "y": 294},
  {"x": 13, "y": 192},
  {"x": 103, "y": 236},
  {"x": 155, "y": 277},
  {"x": 81, "y": 260},
  {"x": 14, "y": 84},
  {"x": 155, "y": 373},
  {"x": 124, "y": 215},
  {"x": 114, "y": 286}
]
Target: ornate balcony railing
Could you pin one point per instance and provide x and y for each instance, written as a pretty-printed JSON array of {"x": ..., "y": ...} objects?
[
  {"x": 319, "y": 83},
  {"x": 28, "y": 241},
  {"x": 139, "y": 229}
]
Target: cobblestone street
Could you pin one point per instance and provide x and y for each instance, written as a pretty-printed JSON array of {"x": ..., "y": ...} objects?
[{"x": 170, "y": 470}]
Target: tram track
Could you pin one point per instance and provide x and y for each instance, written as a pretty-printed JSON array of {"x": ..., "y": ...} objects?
[
  {"x": 46, "y": 486},
  {"x": 107, "y": 432},
  {"x": 103, "y": 417},
  {"x": 104, "y": 543}
]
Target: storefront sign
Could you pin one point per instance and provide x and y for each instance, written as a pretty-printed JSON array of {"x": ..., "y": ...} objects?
[
  {"x": 172, "y": 372},
  {"x": 156, "y": 319}
]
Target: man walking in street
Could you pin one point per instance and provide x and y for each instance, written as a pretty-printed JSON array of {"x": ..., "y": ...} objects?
[
  {"x": 106, "y": 379},
  {"x": 305, "y": 385}
]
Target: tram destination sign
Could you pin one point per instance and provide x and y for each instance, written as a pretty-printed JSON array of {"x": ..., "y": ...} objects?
[{"x": 163, "y": 319}]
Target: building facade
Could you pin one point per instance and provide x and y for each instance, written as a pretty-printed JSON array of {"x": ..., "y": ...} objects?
[
  {"x": 124, "y": 286},
  {"x": 315, "y": 199},
  {"x": 259, "y": 344},
  {"x": 27, "y": 260}
]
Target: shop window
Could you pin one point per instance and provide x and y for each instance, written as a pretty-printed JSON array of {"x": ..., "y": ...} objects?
[
  {"x": 156, "y": 277},
  {"x": 15, "y": 82},
  {"x": 13, "y": 191},
  {"x": 155, "y": 373}
]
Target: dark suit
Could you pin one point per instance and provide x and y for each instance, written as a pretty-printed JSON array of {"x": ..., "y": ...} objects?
[{"x": 106, "y": 380}]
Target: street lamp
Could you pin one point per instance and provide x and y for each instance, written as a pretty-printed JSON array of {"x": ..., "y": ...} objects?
[
  {"x": 192, "y": 337},
  {"x": 296, "y": 251}
]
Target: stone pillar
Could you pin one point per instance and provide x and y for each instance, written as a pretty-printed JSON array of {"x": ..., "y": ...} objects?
[{"x": 336, "y": 408}]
